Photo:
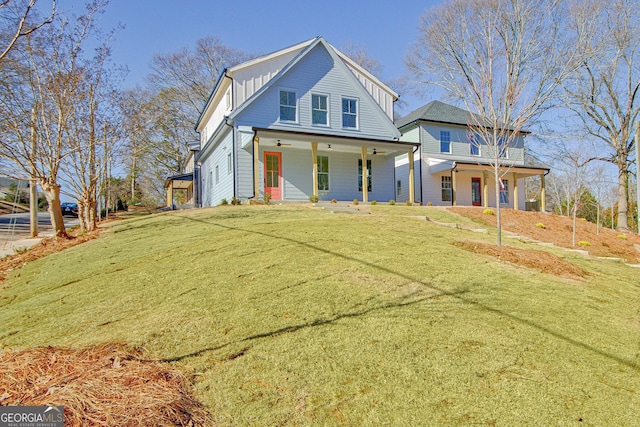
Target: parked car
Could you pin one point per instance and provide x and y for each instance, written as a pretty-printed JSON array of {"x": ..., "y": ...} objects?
[{"x": 69, "y": 208}]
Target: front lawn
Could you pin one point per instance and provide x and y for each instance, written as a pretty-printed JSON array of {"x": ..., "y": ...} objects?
[{"x": 291, "y": 315}]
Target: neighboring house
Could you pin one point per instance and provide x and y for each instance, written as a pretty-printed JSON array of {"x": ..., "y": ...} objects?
[
  {"x": 453, "y": 169},
  {"x": 303, "y": 122}
]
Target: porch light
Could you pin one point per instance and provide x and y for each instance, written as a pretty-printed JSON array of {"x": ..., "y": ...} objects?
[
  {"x": 328, "y": 146},
  {"x": 374, "y": 152}
]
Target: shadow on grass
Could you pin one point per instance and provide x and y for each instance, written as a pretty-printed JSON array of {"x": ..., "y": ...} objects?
[{"x": 459, "y": 295}]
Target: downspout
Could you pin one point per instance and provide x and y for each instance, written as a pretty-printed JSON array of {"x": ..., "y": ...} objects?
[
  {"x": 420, "y": 174},
  {"x": 253, "y": 163},
  {"x": 233, "y": 153},
  {"x": 453, "y": 196},
  {"x": 233, "y": 137}
]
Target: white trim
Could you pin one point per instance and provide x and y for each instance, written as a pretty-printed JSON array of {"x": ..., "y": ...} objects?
[
  {"x": 328, "y": 110},
  {"x": 357, "y": 113},
  {"x": 297, "y": 106}
]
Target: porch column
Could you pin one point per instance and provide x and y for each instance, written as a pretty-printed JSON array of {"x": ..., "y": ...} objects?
[
  {"x": 411, "y": 179},
  {"x": 543, "y": 198},
  {"x": 365, "y": 176},
  {"x": 515, "y": 191},
  {"x": 256, "y": 167},
  {"x": 170, "y": 195},
  {"x": 485, "y": 189},
  {"x": 314, "y": 156}
]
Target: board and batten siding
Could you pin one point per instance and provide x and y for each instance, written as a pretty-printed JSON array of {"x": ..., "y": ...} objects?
[
  {"x": 316, "y": 74},
  {"x": 250, "y": 79},
  {"x": 383, "y": 97},
  {"x": 214, "y": 190}
]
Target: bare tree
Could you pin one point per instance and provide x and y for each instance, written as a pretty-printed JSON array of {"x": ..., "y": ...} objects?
[
  {"x": 603, "y": 92},
  {"x": 15, "y": 16},
  {"x": 504, "y": 59},
  {"x": 51, "y": 66}
]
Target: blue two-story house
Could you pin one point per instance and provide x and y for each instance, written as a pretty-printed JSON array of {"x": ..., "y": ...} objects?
[{"x": 300, "y": 123}]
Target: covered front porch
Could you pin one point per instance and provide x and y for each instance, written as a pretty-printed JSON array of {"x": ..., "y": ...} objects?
[
  {"x": 301, "y": 166},
  {"x": 471, "y": 182}
]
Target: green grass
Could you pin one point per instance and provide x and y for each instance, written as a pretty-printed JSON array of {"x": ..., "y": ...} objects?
[{"x": 295, "y": 316}]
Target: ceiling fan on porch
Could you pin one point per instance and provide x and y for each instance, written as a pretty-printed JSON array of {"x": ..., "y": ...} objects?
[{"x": 281, "y": 144}]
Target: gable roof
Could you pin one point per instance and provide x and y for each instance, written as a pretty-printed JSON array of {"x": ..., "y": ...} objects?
[
  {"x": 301, "y": 49},
  {"x": 338, "y": 63}
]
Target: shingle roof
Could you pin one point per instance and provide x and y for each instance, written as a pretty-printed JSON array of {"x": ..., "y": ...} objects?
[{"x": 437, "y": 111}]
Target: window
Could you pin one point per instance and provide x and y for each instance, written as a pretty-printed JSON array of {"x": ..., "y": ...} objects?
[
  {"x": 360, "y": 175},
  {"x": 504, "y": 191},
  {"x": 399, "y": 188},
  {"x": 323, "y": 173},
  {"x": 445, "y": 141},
  {"x": 319, "y": 110},
  {"x": 447, "y": 189},
  {"x": 287, "y": 106},
  {"x": 503, "y": 147},
  {"x": 217, "y": 174},
  {"x": 229, "y": 163},
  {"x": 349, "y": 113},
  {"x": 474, "y": 145}
]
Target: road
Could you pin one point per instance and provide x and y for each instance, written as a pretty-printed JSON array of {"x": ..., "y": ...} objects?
[{"x": 16, "y": 226}]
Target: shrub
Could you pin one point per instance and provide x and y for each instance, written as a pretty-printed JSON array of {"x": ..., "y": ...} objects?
[
  {"x": 622, "y": 236},
  {"x": 235, "y": 201},
  {"x": 392, "y": 202},
  {"x": 429, "y": 204},
  {"x": 541, "y": 225},
  {"x": 224, "y": 202},
  {"x": 408, "y": 203},
  {"x": 313, "y": 198},
  {"x": 334, "y": 201},
  {"x": 373, "y": 202},
  {"x": 583, "y": 243},
  {"x": 356, "y": 202},
  {"x": 488, "y": 212},
  {"x": 266, "y": 198}
]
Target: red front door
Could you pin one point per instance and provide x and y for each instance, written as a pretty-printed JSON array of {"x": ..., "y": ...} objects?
[
  {"x": 476, "y": 192},
  {"x": 273, "y": 174}
]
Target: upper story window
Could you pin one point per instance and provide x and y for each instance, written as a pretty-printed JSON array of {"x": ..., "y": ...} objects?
[
  {"x": 287, "y": 106},
  {"x": 319, "y": 112},
  {"x": 445, "y": 141},
  {"x": 474, "y": 145},
  {"x": 349, "y": 113},
  {"x": 503, "y": 148}
]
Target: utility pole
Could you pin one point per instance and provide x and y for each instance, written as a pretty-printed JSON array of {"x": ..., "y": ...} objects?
[{"x": 33, "y": 186}]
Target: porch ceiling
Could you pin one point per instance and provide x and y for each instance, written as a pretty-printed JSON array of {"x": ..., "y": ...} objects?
[
  {"x": 522, "y": 171},
  {"x": 327, "y": 143}
]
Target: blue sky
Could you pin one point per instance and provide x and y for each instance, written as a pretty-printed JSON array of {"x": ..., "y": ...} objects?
[{"x": 386, "y": 29}]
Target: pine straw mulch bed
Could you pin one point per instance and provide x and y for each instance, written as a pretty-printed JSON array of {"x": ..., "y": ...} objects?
[
  {"x": 47, "y": 246},
  {"x": 107, "y": 385},
  {"x": 539, "y": 260},
  {"x": 558, "y": 230}
]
